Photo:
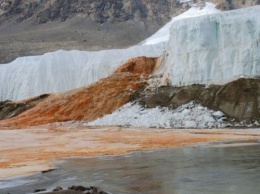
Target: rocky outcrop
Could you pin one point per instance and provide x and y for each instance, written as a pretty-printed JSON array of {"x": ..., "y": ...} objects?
[
  {"x": 33, "y": 27},
  {"x": 74, "y": 190},
  {"x": 103, "y": 11},
  {"x": 100, "y": 11},
  {"x": 139, "y": 65},
  {"x": 234, "y": 4},
  {"x": 10, "y": 109},
  {"x": 86, "y": 103},
  {"x": 239, "y": 99}
]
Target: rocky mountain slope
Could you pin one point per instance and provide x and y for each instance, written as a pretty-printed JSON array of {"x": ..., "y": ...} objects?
[
  {"x": 32, "y": 27},
  {"x": 36, "y": 27}
]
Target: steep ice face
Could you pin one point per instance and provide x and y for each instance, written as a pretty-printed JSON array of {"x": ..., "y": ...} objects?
[
  {"x": 64, "y": 70},
  {"x": 215, "y": 48},
  {"x": 163, "y": 34}
]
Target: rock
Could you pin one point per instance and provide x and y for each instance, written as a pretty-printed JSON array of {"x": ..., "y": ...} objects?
[
  {"x": 39, "y": 190},
  {"x": 49, "y": 170},
  {"x": 239, "y": 99},
  {"x": 183, "y": 96},
  {"x": 78, "y": 188},
  {"x": 75, "y": 190},
  {"x": 9, "y": 109},
  {"x": 162, "y": 97},
  {"x": 58, "y": 189},
  {"x": 157, "y": 100}
]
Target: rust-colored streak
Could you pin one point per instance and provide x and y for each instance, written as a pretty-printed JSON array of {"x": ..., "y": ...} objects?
[
  {"x": 138, "y": 65},
  {"x": 86, "y": 103},
  {"x": 33, "y": 150}
]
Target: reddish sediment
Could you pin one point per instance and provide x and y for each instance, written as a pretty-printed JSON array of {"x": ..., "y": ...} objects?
[{"x": 35, "y": 149}]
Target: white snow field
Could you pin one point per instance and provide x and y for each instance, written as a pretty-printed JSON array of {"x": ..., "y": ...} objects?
[
  {"x": 190, "y": 115},
  {"x": 214, "y": 49},
  {"x": 64, "y": 70}
]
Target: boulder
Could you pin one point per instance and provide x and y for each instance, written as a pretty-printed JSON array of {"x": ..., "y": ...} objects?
[{"x": 239, "y": 99}]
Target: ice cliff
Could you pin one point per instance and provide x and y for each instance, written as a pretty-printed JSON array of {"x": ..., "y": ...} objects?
[
  {"x": 214, "y": 48},
  {"x": 64, "y": 70}
]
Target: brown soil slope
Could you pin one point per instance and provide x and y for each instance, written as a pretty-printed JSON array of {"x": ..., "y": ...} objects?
[{"x": 86, "y": 103}]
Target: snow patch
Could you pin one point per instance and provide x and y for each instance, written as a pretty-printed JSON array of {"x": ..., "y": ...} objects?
[{"x": 191, "y": 115}]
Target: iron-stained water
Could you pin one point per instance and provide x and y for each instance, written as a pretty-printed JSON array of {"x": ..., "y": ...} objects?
[{"x": 202, "y": 169}]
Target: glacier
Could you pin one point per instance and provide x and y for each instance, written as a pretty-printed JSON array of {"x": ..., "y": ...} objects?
[
  {"x": 62, "y": 70},
  {"x": 213, "y": 49},
  {"x": 65, "y": 70}
]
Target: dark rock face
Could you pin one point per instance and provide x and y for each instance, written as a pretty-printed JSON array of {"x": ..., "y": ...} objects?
[
  {"x": 239, "y": 99},
  {"x": 234, "y": 4},
  {"x": 9, "y": 109},
  {"x": 76, "y": 190},
  {"x": 34, "y": 27},
  {"x": 101, "y": 11}
]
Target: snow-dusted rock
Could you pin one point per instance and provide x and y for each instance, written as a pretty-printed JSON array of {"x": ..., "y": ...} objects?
[
  {"x": 215, "y": 48},
  {"x": 64, "y": 70}
]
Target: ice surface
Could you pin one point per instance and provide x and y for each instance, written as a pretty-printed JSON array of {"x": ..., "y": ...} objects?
[
  {"x": 190, "y": 115},
  {"x": 215, "y": 48},
  {"x": 163, "y": 34},
  {"x": 64, "y": 70}
]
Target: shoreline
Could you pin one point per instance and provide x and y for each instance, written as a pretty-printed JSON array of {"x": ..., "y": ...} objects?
[{"x": 37, "y": 149}]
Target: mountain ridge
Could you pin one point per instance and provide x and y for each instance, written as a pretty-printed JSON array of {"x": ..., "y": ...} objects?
[{"x": 34, "y": 27}]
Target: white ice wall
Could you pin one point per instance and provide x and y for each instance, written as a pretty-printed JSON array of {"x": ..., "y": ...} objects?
[
  {"x": 64, "y": 70},
  {"x": 215, "y": 48}
]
